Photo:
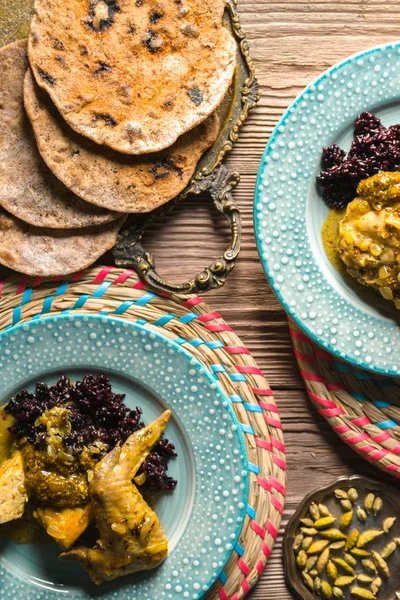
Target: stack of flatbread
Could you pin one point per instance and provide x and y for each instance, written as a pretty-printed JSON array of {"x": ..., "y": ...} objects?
[{"x": 105, "y": 111}]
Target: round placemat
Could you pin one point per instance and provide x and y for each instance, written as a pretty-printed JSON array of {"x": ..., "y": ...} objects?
[
  {"x": 189, "y": 322},
  {"x": 361, "y": 407}
]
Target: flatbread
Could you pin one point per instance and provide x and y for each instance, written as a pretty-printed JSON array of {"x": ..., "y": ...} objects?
[
  {"x": 49, "y": 252},
  {"x": 132, "y": 74},
  {"x": 132, "y": 183},
  {"x": 27, "y": 188}
]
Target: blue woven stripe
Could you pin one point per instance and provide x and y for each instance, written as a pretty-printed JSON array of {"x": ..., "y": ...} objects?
[
  {"x": 47, "y": 304},
  {"x": 145, "y": 299},
  {"x": 215, "y": 344},
  {"x": 383, "y": 383},
  {"x": 197, "y": 342},
  {"x": 342, "y": 368},
  {"x": 123, "y": 307},
  {"x": 239, "y": 549},
  {"x": 218, "y": 368},
  {"x": 141, "y": 321},
  {"x": 16, "y": 315},
  {"x": 251, "y": 512},
  {"x": 62, "y": 288},
  {"x": 235, "y": 398},
  {"x": 104, "y": 313},
  {"x": 247, "y": 428},
  {"x": 188, "y": 318},
  {"x": 80, "y": 302},
  {"x": 381, "y": 404},
  {"x": 254, "y": 468},
  {"x": 164, "y": 320},
  {"x": 103, "y": 287},
  {"x": 386, "y": 424},
  {"x": 360, "y": 375},
  {"x": 360, "y": 397},
  {"x": 223, "y": 578},
  {"x": 180, "y": 340},
  {"x": 26, "y": 296},
  {"x": 237, "y": 377},
  {"x": 252, "y": 407}
]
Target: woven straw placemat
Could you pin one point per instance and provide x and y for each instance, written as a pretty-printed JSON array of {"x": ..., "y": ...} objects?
[
  {"x": 363, "y": 408},
  {"x": 189, "y": 322}
]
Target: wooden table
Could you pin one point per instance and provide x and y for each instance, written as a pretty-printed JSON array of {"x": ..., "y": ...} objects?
[{"x": 291, "y": 43}]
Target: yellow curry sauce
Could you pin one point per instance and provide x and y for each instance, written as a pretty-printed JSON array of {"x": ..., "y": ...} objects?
[{"x": 330, "y": 234}]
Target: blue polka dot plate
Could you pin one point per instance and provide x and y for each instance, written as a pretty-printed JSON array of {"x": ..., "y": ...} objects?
[
  {"x": 202, "y": 518},
  {"x": 289, "y": 211}
]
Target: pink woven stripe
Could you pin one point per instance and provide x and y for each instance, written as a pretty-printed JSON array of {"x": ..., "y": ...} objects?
[
  {"x": 334, "y": 387},
  {"x": 379, "y": 454},
  {"x": 276, "y": 504},
  {"x": 124, "y": 276},
  {"x": 262, "y": 391},
  {"x": 102, "y": 274},
  {"x": 263, "y": 483},
  {"x": 278, "y": 444},
  {"x": 366, "y": 449},
  {"x": 260, "y": 567},
  {"x": 356, "y": 439},
  {"x": 235, "y": 597},
  {"x": 271, "y": 529},
  {"x": 192, "y": 302},
  {"x": 139, "y": 285},
  {"x": 258, "y": 529},
  {"x": 341, "y": 428},
  {"x": 297, "y": 335},
  {"x": 273, "y": 422},
  {"x": 59, "y": 278},
  {"x": 218, "y": 327},
  {"x": 395, "y": 449},
  {"x": 22, "y": 284},
  {"x": 392, "y": 468},
  {"x": 381, "y": 437},
  {"x": 279, "y": 462},
  {"x": 249, "y": 370},
  {"x": 1, "y": 289},
  {"x": 243, "y": 567},
  {"x": 322, "y": 401},
  {"x": 332, "y": 412},
  {"x": 209, "y": 317},
  {"x": 237, "y": 350},
  {"x": 245, "y": 587},
  {"x": 263, "y": 444},
  {"x": 306, "y": 358},
  {"x": 361, "y": 421},
  {"x": 37, "y": 281},
  {"x": 311, "y": 376},
  {"x": 269, "y": 406},
  {"x": 222, "y": 594},
  {"x": 322, "y": 354},
  {"x": 277, "y": 485},
  {"x": 76, "y": 276},
  {"x": 266, "y": 550}
]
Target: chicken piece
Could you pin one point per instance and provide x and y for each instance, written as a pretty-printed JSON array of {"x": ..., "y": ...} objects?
[
  {"x": 65, "y": 525},
  {"x": 13, "y": 496},
  {"x": 369, "y": 235},
  {"x": 131, "y": 536}
]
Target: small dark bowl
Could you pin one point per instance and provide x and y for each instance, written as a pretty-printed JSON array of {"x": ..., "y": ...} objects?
[{"x": 390, "y": 589}]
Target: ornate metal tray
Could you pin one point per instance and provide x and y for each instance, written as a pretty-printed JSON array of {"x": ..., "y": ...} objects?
[{"x": 210, "y": 175}]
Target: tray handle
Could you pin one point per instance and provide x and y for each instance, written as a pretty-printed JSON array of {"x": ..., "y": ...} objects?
[{"x": 130, "y": 253}]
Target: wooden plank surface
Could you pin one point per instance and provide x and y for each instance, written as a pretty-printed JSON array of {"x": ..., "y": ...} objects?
[{"x": 291, "y": 43}]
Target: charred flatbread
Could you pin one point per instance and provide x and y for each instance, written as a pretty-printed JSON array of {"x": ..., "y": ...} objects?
[
  {"x": 132, "y": 74},
  {"x": 28, "y": 189},
  {"x": 105, "y": 177},
  {"x": 48, "y": 252}
]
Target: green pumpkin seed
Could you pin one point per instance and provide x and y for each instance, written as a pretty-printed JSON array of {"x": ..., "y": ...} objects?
[
  {"x": 346, "y": 520},
  {"x": 324, "y": 522},
  {"x": 388, "y": 524},
  {"x": 297, "y": 542},
  {"x": 341, "y": 494},
  {"x": 334, "y": 535},
  {"x": 361, "y": 514},
  {"x": 317, "y": 547},
  {"x": 381, "y": 564},
  {"x": 352, "y": 539},
  {"x": 311, "y": 560},
  {"x": 363, "y": 578},
  {"x": 331, "y": 570},
  {"x": 314, "y": 512},
  {"x": 346, "y": 505},
  {"x": 367, "y": 536},
  {"x": 337, "y": 545},
  {"x": 343, "y": 565},
  {"x": 377, "y": 506},
  {"x": 353, "y": 495},
  {"x": 317, "y": 585},
  {"x": 313, "y": 573},
  {"x": 362, "y": 594},
  {"x": 369, "y": 566},
  {"x": 360, "y": 552},
  {"x": 344, "y": 581},
  {"x": 350, "y": 560},
  {"x": 308, "y": 530},
  {"x": 307, "y": 522},
  {"x": 338, "y": 593},
  {"x": 308, "y": 580},
  {"x": 324, "y": 510},
  {"x": 322, "y": 561},
  {"x": 369, "y": 502},
  {"x": 306, "y": 543},
  {"x": 389, "y": 549},
  {"x": 301, "y": 559},
  {"x": 376, "y": 584},
  {"x": 326, "y": 590}
]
